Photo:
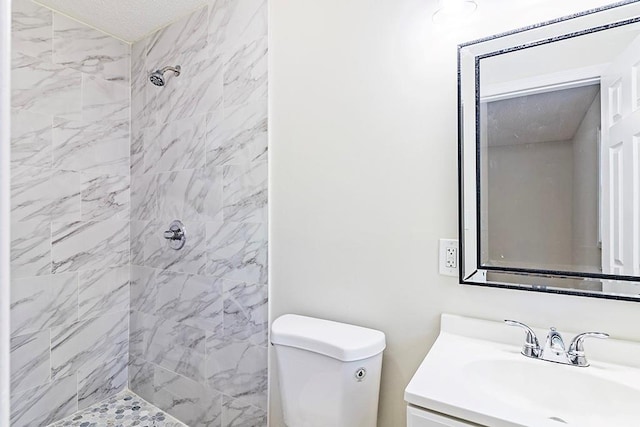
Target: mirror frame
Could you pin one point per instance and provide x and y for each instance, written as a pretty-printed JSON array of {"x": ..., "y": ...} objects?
[{"x": 471, "y": 270}]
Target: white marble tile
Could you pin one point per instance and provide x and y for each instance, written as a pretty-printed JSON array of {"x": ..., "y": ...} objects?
[
  {"x": 164, "y": 334},
  {"x": 190, "y": 259},
  {"x": 245, "y": 192},
  {"x": 89, "y": 245},
  {"x": 189, "y": 401},
  {"x": 70, "y": 135},
  {"x": 144, "y": 289},
  {"x": 198, "y": 89},
  {"x": 179, "y": 194},
  {"x": 45, "y": 404},
  {"x": 237, "y": 413},
  {"x": 104, "y": 197},
  {"x": 94, "y": 147},
  {"x": 102, "y": 381},
  {"x": 239, "y": 136},
  {"x": 30, "y": 360},
  {"x": 139, "y": 233},
  {"x": 47, "y": 88},
  {"x": 137, "y": 152},
  {"x": 143, "y": 94},
  {"x": 144, "y": 196},
  {"x": 246, "y": 312},
  {"x": 178, "y": 42},
  {"x": 237, "y": 251},
  {"x": 237, "y": 22},
  {"x": 192, "y": 195},
  {"x": 41, "y": 302},
  {"x": 86, "y": 345},
  {"x": 238, "y": 369},
  {"x": 31, "y": 139},
  {"x": 175, "y": 146},
  {"x": 139, "y": 328},
  {"x": 174, "y": 346},
  {"x": 190, "y": 299},
  {"x": 245, "y": 74},
  {"x": 30, "y": 249},
  {"x": 103, "y": 291},
  {"x": 31, "y": 32},
  {"x": 215, "y": 137},
  {"x": 65, "y": 196},
  {"x": 104, "y": 100},
  {"x": 178, "y": 358},
  {"x": 82, "y": 48},
  {"x": 31, "y": 196},
  {"x": 141, "y": 376},
  {"x": 44, "y": 195}
]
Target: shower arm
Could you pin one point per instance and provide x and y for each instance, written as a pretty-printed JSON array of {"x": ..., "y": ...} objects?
[{"x": 175, "y": 69}]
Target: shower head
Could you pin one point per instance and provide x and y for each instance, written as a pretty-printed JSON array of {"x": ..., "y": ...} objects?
[{"x": 157, "y": 77}]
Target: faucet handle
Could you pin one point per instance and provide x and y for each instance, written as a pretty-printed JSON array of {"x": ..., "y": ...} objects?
[
  {"x": 531, "y": 347},
  {"x": 576, "y": 348}
]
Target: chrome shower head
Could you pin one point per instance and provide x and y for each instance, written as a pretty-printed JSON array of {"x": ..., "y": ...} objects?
[{"x": 157, "y": 77}]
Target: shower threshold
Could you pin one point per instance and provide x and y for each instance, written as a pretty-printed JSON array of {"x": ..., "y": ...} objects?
[{"x": 125, "y": 409}]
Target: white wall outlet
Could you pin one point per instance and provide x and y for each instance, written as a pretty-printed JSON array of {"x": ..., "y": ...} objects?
[{"x": 449, "y": 257}]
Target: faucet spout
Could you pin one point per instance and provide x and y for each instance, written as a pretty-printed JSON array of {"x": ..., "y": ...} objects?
[{"x": 554, "y": 349}]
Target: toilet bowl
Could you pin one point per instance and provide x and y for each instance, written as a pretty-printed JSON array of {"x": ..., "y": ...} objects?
[{"x": 329, "y": 372}]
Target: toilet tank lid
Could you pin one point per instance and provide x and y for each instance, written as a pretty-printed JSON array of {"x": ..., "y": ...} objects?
[{"x": 338, "y": 340}]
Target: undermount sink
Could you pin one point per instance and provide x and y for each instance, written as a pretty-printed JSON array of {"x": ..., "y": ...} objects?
[{"x": 475, "y": 372}]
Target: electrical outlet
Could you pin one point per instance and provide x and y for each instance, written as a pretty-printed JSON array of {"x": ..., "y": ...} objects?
[{"x": 448, "y": 257}]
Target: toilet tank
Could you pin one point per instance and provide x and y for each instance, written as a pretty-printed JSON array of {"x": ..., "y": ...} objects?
[{"x": 329, "y": 372}]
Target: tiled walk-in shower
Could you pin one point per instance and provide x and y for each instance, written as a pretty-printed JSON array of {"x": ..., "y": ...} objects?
[{"x": 102, "y": 161}]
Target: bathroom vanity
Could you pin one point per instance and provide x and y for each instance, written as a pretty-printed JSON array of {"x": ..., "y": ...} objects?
[
  {"x": 549, "y": 130},
  {"x": 475, "y": 374},
  {"x": 418, "y": 417}
]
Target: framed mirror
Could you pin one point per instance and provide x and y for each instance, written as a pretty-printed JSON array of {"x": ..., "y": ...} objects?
[{"x": 549, "y": 160}]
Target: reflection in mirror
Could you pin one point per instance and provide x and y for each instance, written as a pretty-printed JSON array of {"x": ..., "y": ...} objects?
[
  {"x": 539, "y": 177},
  {"x": 550, "y": 155}
]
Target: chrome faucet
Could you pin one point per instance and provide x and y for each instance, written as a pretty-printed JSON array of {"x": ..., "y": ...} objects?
[{"x": 554, "y": 349}]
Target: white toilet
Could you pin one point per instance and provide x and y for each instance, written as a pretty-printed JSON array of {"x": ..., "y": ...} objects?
[{"x": 329, "y": 372}]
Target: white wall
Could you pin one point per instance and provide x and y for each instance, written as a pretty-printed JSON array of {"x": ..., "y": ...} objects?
[{"x": 363, "y": 146}]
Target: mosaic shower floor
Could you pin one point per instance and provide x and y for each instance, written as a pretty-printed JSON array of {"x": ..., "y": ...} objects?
[{"x": 122, "y": 410}]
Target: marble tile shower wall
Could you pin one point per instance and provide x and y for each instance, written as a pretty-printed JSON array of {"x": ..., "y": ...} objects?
[
  {"x": 70, "y": 215},
  {"x": 198, "y": 326}
]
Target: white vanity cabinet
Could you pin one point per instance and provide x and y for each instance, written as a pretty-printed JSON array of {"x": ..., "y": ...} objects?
[{"x": 418, "y": 417}]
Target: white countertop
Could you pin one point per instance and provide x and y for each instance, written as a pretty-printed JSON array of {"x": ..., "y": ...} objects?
[{"x": 475, "y": 372}]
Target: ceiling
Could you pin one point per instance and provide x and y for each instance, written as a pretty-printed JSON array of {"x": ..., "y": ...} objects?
[
  {"x": 128, "y": 20},
  {"x": 544, "y": 117}
]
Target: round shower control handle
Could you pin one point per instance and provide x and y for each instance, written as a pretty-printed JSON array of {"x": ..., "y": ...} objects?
[{"x": 175, "y": 235}]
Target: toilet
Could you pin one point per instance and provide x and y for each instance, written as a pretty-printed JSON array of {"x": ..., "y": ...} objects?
[{"x": 329, "y": 372}]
